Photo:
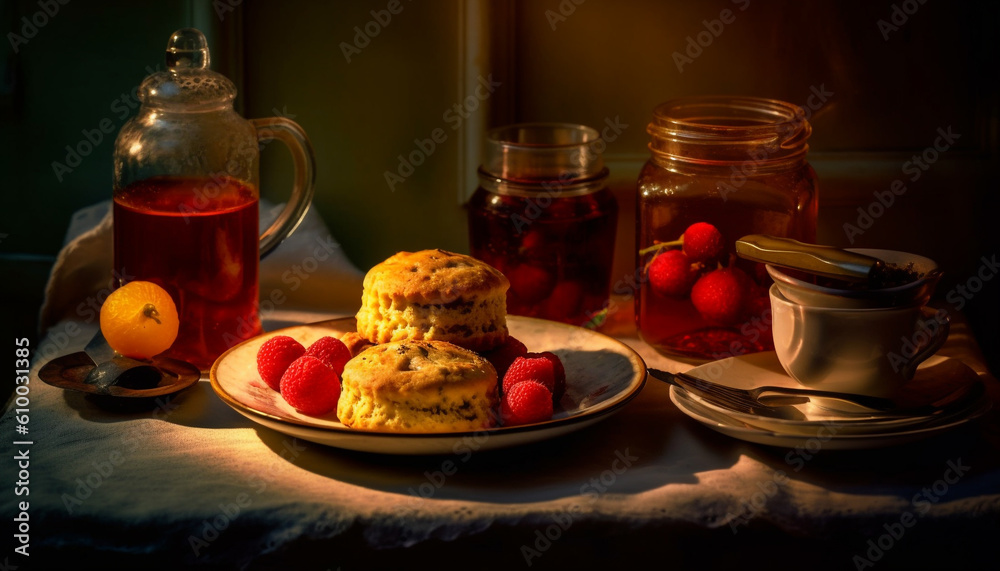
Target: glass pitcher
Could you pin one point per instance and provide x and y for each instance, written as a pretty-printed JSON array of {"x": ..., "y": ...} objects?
[{"x": 186, "y": 199}]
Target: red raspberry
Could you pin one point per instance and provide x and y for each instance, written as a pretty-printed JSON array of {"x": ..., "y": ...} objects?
[
  {"x": 702, "y": 242},
  {"x": 558, "y": 371},
  {"x": 670, "y": 273},
  {"x": 531, "y": 367},
  {"x": 530, "y": 284},
  {"x": 504, "y": 355},
  {"x": 332, "y": 352},
  {"x": 274, "y": 356},
  {"x": 720, "y": 295},
  {"x": 310, "y": 386},
  {"x": 526, "y": 402}
]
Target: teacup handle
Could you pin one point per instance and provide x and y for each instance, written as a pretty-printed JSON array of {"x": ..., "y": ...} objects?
[
  {"x": 289, "y": 132},
  {"x": 936, "y": 341}
]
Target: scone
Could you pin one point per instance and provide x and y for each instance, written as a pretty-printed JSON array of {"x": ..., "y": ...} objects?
[
  {"x": 355, "y": 342},
  {"x": 435, "y": 295},
  {"x": 418, "y": 386}
]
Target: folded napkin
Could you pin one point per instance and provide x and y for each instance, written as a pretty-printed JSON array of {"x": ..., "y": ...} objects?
[{"x": 308, "y": 271}]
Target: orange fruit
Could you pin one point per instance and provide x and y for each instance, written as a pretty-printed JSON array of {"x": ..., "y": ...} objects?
[{"x": 139, "y": 320}]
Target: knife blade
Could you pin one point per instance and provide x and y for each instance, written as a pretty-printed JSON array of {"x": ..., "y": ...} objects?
[{"x": 98, "y": 349}]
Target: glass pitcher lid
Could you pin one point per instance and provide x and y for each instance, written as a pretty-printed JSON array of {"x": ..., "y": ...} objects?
[{"x": 188, "y": 81}]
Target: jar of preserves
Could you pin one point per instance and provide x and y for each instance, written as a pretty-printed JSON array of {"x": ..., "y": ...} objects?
[
  {"x": 721, "y": 167},
  {"x": 543, "y": 216}
]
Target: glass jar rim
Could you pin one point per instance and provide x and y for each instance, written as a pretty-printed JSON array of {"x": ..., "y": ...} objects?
[
  {"x": 756, "y": 113},
  {"x": 540, "y": 152},
  {"x": 724, "y": 128}
]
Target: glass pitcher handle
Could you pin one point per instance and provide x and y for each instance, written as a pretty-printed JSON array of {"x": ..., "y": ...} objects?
[{"x": 289, "y": 132}]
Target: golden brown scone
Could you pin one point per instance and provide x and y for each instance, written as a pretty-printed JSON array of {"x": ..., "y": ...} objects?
[
  {"x": 355, "y": 342},
  {"x": 435, "y": 295},
  {"x": 418, "y": 387}
]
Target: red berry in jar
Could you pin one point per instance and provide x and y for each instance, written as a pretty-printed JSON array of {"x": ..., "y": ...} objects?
[
  {"x": 670, "y": 273},
  {"x": 702, "y": 242},
  {"x": 720, "y": 295}
]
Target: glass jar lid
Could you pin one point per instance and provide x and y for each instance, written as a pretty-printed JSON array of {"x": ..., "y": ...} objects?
[
  {"x": 188, "y": 82},
  {"x": 524, "y": 157},
  {"x": 723, "y": 129}
]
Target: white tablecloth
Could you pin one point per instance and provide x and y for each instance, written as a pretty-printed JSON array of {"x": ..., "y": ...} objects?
[{"x": 193, "y": 483}]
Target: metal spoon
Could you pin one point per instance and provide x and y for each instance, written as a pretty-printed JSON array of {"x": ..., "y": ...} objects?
[{"x": 820, "y": 260}]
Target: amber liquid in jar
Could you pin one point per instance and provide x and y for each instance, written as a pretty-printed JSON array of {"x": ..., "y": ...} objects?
[
  {"x": 543, "y": 216},
  {"x": 712, "y": 165},
  {"x": 558, "y": 263}
]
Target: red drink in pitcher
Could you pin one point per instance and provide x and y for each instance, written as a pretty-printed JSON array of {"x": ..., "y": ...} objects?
[{"x": 198, "y": 239}]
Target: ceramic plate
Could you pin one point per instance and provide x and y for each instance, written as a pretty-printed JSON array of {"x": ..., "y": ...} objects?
[
  {"x": 833, "y": 429},
  {"x": 602, "y": 374}
]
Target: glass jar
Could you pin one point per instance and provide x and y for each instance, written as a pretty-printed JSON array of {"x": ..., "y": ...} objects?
[
  {"x": 738, "y": 164},
  {"x": 543, "y": 216}
]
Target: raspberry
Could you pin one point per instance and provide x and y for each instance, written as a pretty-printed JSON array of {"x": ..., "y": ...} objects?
[
  {"x": 530, "y": 284},
  {"x": 332, "y": 352},
  {"x": 504, "y": 355},
  {"x": 310, "y": 386},
  {"x": 531, "y": 367},
  {"x": 559, "y": 373},
  {"x": 702, "y": 242},
  {"x": 719, "y": 296},
  {"x": 274, "y": 356},
  {"x": 670, "y": 273},
  {"x": 526, "y": 402}
]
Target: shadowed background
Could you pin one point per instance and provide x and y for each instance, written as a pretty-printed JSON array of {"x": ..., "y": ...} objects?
[{"x": 886, "y": 90}]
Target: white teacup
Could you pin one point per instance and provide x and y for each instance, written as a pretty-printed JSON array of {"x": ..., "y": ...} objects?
[{"x": 862, "y": 351}]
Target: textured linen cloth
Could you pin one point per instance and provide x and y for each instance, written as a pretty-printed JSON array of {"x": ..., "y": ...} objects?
[{"x": 195, "y": 484}]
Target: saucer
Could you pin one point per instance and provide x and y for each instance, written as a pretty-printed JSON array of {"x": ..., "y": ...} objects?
[{"x": 837, "y": 429}]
